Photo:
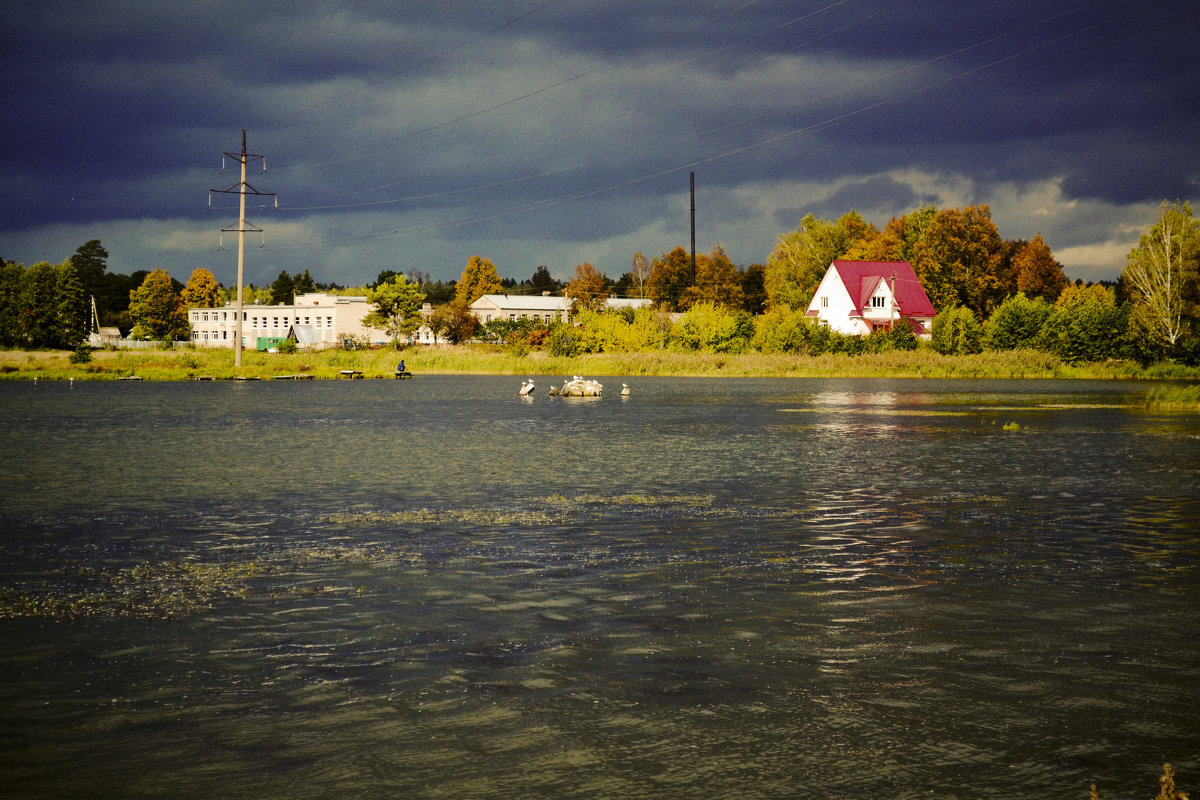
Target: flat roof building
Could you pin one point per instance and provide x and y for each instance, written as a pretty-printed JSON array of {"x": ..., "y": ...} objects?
[{"x": 327, "y": 321}]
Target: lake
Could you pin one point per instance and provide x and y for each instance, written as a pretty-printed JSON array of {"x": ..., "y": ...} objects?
[{"x": 713, "y": 588}]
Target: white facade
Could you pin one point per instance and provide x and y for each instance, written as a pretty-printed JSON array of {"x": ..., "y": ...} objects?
[
  {"x": 833, "y": 305},
  {"x": 543, "y": 308},
  {"x": 858, "y": 297},
  {"x": 540, "y": 307},
  {"x": 331, "y": 318}
]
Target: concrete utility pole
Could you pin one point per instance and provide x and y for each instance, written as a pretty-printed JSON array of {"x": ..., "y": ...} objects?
[
  {"x": 693, "y": 229},
  {"x": 241, "y": 188}
]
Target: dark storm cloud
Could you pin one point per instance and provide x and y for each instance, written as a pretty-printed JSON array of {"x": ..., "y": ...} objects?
[{"x": 564, "y": 126}]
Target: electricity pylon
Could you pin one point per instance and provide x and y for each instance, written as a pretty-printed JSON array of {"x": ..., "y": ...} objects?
[{"x": 242, "y": 188}]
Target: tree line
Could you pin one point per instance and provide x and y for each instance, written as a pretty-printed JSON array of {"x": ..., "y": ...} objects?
[{"x": 989, "y": 293}]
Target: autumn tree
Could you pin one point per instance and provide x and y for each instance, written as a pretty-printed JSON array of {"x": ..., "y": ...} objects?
[
  {"x": 479, "y": 278},
  {"x": 670, "y": 277},
  {"x": 588, "y": 290},
  {"x": 1162, "y": 277},
  {"x": 717, "y": 281},
  {"x": 202, "y": 290},
  {"x": 397, "y": 307},
  {"x": 454, "y": 321},
  {"x": 958, "y": 260},
  {"x": 885, "y": 245},
  {"x": 157, "y": 309},
  {"x": 1037, "y": 273},
  {"x": 801, "y": 258}
]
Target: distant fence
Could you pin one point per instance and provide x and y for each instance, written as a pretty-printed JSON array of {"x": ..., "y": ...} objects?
[{"x": 135, "y": 344}]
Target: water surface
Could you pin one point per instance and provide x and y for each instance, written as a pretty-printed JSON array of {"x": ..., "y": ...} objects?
[{"x": 713, "y": 588}]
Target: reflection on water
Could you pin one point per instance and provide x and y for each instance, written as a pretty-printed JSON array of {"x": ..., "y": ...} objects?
[{"x": 434, "y": 588}]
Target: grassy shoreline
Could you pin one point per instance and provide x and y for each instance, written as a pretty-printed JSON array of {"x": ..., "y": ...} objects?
[{"x": 190, "y": 364}]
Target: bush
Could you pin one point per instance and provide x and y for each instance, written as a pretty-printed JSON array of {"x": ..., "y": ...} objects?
[
  {"x": 902, "y": 336},
  {"x": 624, "y": 330},
  {"x": 82, "y": 354},
  {"x": 787, "y": 331},
  {"x": 1086, "y": 325},
  {"x": 957, "y": 332},
  {"x": 713, "y": 329},
  {"x": 1017, "y": 323}
]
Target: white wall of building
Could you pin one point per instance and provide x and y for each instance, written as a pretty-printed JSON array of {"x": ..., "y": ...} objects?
[{"x": 333, "y": 318}]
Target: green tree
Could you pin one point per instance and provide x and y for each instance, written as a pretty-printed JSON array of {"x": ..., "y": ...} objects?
[
  {"x": 1017, "y": 323},
  {"x": 397, "y": 307},
  {"x": 303, "y": 283},
  {"x": 957, "y": 331},
  {"x": 1162, "y": 278},
  {"x": 51, "y": 309},
  {"x": 670, "y": 277},
  {"x": 801, "y": 258},
  {"x": 90, "y": 261},
  {"x": 543, "y": 281},
  {"x": 754, "y": 292},
  {"x": 283, "y": 289},
  {"x": 959, "y": 258},
  {"x": 1037, "y": 273},
  {"x": 1086, "y": 324},
  {"x": 478, "y": 278},
  {"x": 12, "y": 277},
  {"x": 72, "y": 309},
  {"x": 588, "y": 290},
  {"x": 36, "y": 308},
  {"x": 901, "y": 336},
  {"x": 156, "y": 308},
  {"x": 202, "y": 290}
]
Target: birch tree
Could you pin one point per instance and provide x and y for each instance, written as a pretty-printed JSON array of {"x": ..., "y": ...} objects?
[{"x": 1161, "y": 276}]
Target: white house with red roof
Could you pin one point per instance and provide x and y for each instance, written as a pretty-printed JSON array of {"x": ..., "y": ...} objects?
[{"x": 857, "y": 297}]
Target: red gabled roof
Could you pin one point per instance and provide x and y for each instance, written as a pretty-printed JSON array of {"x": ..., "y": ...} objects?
[{"x": 862, "y": 277}]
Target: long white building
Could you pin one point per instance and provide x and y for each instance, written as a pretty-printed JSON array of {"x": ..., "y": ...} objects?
[{"x": 317, "y": 319}]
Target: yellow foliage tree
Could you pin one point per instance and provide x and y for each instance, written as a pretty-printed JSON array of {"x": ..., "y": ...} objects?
[{"x": 479, "y": 278}]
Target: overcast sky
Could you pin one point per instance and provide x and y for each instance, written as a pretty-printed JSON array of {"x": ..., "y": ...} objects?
[{"x": 412, "y": 135}]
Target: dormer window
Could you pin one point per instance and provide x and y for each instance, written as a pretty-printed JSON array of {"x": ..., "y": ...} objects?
[{"x": 878, "y": 301}]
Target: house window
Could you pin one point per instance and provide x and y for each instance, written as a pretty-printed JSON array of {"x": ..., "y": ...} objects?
[
  {"x": 824, "y": 302},
  {"x": 329, "y": 322},
  {"x": 274, "y": 322},
  {"x": 223, "y": 335},
  {"x": 877, "y": 301}
]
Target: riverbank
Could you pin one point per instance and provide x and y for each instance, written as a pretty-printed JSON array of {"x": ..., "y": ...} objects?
[{"x": 193, "y": 364}]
